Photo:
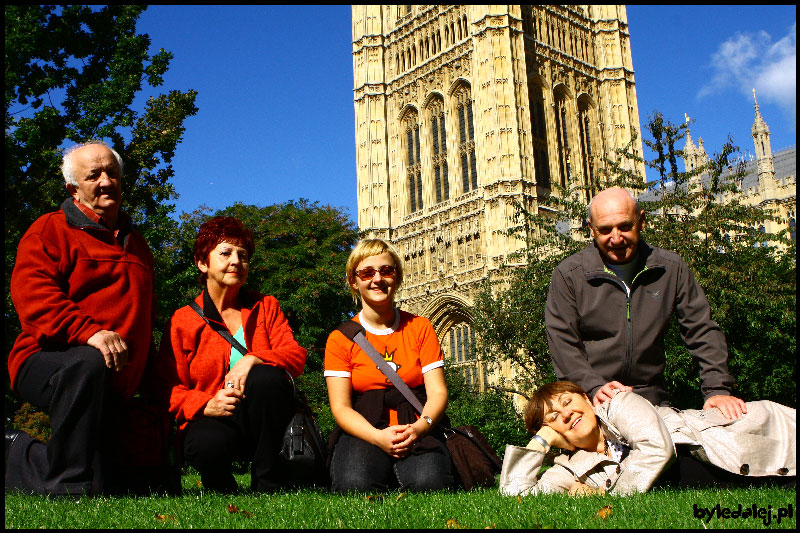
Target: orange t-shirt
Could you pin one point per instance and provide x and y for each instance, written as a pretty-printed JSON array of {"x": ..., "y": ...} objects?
[{"x": 410, "y": 346}]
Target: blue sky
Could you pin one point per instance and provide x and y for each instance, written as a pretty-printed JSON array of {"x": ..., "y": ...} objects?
[{"x": 276, "y": 122}]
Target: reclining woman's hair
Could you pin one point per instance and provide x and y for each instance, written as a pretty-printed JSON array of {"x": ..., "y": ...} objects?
[{"x": 541, "y": 402}]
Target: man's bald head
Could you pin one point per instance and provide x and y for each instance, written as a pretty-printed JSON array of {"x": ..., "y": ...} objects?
[{"x": 616, "y": 222}]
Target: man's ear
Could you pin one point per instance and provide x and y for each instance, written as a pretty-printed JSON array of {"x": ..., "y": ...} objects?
[
  {"x": 642, "y": 221},
  {"x": 71, "y": 189}
]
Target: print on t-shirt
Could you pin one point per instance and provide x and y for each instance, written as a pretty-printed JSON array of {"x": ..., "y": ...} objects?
[{"x": 389, "y": 358}]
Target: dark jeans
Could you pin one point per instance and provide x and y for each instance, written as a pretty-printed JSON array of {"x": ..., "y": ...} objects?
[
  {"x": 359, "y": 466},
  {"x": 71, "y": 387},
  {"x": 254, "y": 433}
]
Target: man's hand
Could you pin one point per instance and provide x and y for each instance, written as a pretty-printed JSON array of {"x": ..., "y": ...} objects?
[
  {"x": 607, "y": 391},
  {"x": 112, "y": 347},
  {"x": 730, "y": 406}
]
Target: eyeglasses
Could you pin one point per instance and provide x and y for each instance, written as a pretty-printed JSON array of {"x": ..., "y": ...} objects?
[{"x": 366, "y": 274}]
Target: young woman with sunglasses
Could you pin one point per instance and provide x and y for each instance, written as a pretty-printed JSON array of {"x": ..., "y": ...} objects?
[{"x": 380, "y": 442}]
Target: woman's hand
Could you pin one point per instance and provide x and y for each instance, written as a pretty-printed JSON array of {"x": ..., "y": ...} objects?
[
  {"x": 554, "y": 438},
  {"x": 394, "y": 440},
  {"x": 238, "y": 374},
  {"x": 409, "y": 436},
  {"x": 582, "y": 489},
  {"x": 223, "y": 403}
]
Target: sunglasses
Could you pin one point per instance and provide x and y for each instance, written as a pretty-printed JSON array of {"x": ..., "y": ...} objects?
[{"x": 366, "y": 274}]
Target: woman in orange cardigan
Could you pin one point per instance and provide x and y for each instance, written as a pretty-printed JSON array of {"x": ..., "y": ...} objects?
[{"x": 230, "y": 406}]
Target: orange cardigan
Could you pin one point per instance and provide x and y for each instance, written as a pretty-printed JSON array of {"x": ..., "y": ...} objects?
[{"x": 194, "y": 358}]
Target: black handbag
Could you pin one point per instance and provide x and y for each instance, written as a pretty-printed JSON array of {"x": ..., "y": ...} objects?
[
  {"x": 473, "y": 458},
  {"x": 303, "y": 451}
]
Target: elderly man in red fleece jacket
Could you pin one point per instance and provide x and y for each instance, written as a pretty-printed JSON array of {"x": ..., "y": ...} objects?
[{"x": 83, "y": 289}]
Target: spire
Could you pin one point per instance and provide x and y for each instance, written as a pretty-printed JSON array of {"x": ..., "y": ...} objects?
[
  {"x": 765, "y": 165},
  {"x": 759, "y": 126},
  {"x": 689, "y": 147}
]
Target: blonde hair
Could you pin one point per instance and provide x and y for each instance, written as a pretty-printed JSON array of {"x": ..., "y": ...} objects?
[{"x": 367, "y": 248}]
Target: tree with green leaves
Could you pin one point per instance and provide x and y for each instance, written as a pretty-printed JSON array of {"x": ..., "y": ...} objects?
[
  {"x": 72, "y": 73},
  {"x": 748, "y": 276},
  {"x": 509, "y": 308}
]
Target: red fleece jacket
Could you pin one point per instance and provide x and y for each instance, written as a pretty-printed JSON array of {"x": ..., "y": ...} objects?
[
  {"x": 194, "y": 358},
  {"x": 73, "y": 278}
]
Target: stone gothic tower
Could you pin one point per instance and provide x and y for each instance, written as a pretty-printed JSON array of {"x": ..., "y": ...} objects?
[
  {"x": 463, "y": 111},
  {"x": 760, "y": 131},
  {"x": 769, "y": 180}
]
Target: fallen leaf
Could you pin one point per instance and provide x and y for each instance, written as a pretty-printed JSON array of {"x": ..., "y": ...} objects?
[
  {"x": 519, "y": 498},
  {"x": 198, "y": 483},
  {"x": 604, "y": 512},
  {"x": 165, "y": 517},
  {"x": 375, "y": 498},
  {"x": 233, "y": 509},
  {"x": 453, "y": 524},
  {"x": 400, "y": 496}
]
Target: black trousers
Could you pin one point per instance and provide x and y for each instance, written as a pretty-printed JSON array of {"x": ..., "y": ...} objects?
[
  {"x": 71, "y": 386},
  {"x": 254, "y": 433},
  {"x": 688, "y": 472}
]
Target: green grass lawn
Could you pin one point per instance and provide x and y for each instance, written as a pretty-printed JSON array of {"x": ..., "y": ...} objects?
[{"x": 660, "y": 508}]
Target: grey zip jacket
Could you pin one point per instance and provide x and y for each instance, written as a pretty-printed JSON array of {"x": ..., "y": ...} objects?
[{"x": 599, "y": 332}]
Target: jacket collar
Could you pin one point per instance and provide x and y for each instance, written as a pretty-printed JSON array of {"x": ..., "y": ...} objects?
[
  {"x": 78, "y": 219},
  {"x": 593, "y": 265},
  {"x": 246, "y": 299}
]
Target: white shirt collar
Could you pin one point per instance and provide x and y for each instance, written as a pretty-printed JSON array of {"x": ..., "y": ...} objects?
[{"x": 387, "y": 331}]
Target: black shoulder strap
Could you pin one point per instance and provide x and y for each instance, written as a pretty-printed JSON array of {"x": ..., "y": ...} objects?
[
  {"x": 355, "y": 332},
  {"x": 219, "y": 328}
]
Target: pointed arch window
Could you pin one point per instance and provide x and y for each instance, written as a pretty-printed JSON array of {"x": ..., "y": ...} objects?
[
  {"x": 584, "y": 132},
  {"x": 462, "y": 343},
  {"x": 413, "y": 170},
  {"x": 466, "y": 134},
  {"x": 439, "y": 136},
  {"x": 541, "y": 161},
  {"x": 562, "y": 136}
]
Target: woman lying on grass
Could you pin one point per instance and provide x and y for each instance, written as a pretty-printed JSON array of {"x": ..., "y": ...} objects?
[{"x": 624, "y": 445}]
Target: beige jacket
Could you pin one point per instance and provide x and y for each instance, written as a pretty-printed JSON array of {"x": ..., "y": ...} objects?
[{"x": 761, "y": 443}]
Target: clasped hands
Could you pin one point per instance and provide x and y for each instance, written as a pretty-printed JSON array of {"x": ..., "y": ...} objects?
[{"x": 397, "y": 441}]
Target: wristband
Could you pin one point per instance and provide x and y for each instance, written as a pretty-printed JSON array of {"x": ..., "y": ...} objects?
[{"x": 541, "y": 440}]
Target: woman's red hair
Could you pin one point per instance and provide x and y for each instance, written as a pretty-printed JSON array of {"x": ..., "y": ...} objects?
[{"x": 217, "y": 230}]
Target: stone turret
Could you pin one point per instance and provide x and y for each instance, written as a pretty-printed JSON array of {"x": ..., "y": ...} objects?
[{"x": 761, "y": 142}]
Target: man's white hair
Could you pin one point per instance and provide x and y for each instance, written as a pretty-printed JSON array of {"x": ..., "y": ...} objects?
[{"x": 67, "y": 163}]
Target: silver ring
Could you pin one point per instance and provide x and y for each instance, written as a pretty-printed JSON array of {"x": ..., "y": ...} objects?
[{"x": 229, "y": 385}]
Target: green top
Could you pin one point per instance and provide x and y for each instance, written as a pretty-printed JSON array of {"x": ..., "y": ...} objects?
[{"x": 236, "y": 355}]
